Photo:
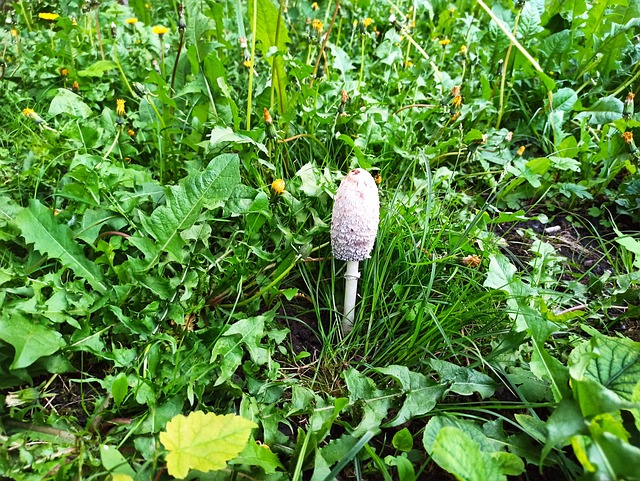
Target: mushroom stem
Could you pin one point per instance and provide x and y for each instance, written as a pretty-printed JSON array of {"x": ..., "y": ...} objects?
[{"x": 350, "y": 290}]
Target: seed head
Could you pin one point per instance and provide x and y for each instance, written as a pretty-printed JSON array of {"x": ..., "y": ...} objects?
[{"x": 355, "y": 217}]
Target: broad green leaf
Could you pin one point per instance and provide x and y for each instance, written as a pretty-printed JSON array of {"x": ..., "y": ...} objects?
[
  {"x": 31, "y": 341},
  {"x": 119, "y": 388},
  {"x": 40, "y": 228},
  {"x": 8, "y": 209},
  {"x": 341, "y": 60},
  {"x": 98, "y": 68},
  {"x": 204, "y": 441},
  {"x": 565, "y": 421},
  {"x": 500, "y": 274},
  {"x": 69, "y": 103},
  {"x": 255, "y": 454},
  {"x": 605, "y": 110},
  {"x": 421, "y": 393},
  {"x": 271, "y": 31},
  {"x": 472, "y": 429},
  {"x": 612, "y": 362},
  {"x": 463, "y": 380},
  {"x": 207, "y": 189},
  {"x": 221, "y": 135},
  {"x": 564, "y": 99},
  {"x": 330, "y": 454},
  {"x": 114, "y": 462},
  {"x": 458, "y": 454},
  {"x": 375, "y": 402},
  {"x": 403, "y": 440}
]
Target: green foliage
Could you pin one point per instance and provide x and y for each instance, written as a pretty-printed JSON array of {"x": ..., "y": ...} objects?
[{"x": 151, "y": 266}]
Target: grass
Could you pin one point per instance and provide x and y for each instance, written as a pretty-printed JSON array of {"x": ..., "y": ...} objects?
[{"x": 153, "y": 274}]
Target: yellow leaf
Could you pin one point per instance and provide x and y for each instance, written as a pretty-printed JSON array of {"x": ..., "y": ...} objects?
[
  {"x": 121, "y": 477},
  {"x": 204, "y": 441}
]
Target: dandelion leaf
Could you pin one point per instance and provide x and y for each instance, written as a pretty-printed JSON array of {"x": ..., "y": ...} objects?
[
  {"x": 204, "y": 441},
  {"x": 206, "y": 189},
  {"x": 40, "y": 228},
  {"x": 31, "y": 341}
]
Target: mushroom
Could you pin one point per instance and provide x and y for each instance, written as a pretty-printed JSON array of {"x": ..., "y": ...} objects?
[{"x": 354, "y": 225}]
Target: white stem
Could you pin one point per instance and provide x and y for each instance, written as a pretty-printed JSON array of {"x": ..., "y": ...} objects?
[{"x": 350, "y": 290}]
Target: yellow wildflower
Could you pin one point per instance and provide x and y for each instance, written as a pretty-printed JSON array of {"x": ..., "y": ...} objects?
[
  {"x": 247, "y": 63},
  {"x": 29, "y": 112},
  {"x": 444, "y": 42},
  {"x": 626, "y": 136},
  {"x": 160, "y": 30},
  {"x": 378, "y": 179},
  {"x": 317, "y": 25},
  {"x": 278, "y": 186},
  {"x": 131, "y": 132},
  {"x": 455, "y": 116},
  {"x": 75, "y": 87},
  {"x": 267, "y": 116},
  {"x": 64, "y": 71},
  {"x": 131, "y": 21},
  {"x": 408, "y": 64},
  {"x": 463, "y": 50},
  {"x": 48, "y": 16},
  {"x": 367, "y": 21},
  {"x": 14, "y": 32},
  {"x": 120, "y": 107},
  {"x": 315, "y": 6},
  {"x": 457, "y": 101},
  {"x": 520, "y": 150}
]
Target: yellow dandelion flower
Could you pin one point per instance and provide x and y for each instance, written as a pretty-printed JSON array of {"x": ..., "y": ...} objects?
[
  {"x": 247, "y": 63},
  {"x": 463, "y": 50},
  {"x": 378, "y": 179},
  {"x": 626, "y": 136},
  {"x": 457, "y": 101},
  {"x": 317, "y": 25},
  {"x": 444, "y": 42},
  {"x": 29, "y": 112},
  {"x": 64, "y": 71},
  {"x": 520, "y": 150},
  {"x": 455, "y": 116},
  {"x": 160, "y": 30},
  {"x": 408, "y": 64},
  {"x": 120, "y": 107},
  {"x": 278, "y": 186},
  {"x": 48, "y": 16},
  {"x": 367, "y": 21},
  {"x": 75, "y": 87},
  {"x": 14, "y": 32},
  {"x": 131, "y": 21},
  {"x": 315, "y": 6},
  {"x": 131, "y": 132}
]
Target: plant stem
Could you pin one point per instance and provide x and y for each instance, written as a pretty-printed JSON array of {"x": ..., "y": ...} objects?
[
  {"x": 175, "y": 65},
  {"x": 324, "y": 44},
  {"x": 124, "y": 77},
  {"x": 361, "y": 64},
  {"x": 254, "y": 27},
  {"x": 98, "y": 31},
  {"x": 503, "y": 80},
  {"x": 350, "y": 290},
  {"x": 273, "y": 65}
]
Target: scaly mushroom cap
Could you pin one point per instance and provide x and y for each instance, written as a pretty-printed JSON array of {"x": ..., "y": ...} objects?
[{"x": 355, "y": 217}]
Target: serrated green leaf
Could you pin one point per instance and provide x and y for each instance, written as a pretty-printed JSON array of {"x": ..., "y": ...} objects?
[
  {"x": 564, "y": 99},
  {"x": 464, "y": 381},
  {"x": 31, "y": 341},
  {"x": 207, "y": 189},
  {"x": 458, "y": 454},
  {"x": 98, "y": 68},
  {"x": 255, "y": 454},
  {"x": 204, "y": 441},
  {"x": 40, "y": 228},
  {"x": 70, "y": 103},
  {"x": 421, "y": 393},
  {"x": 375, "y": 402}
]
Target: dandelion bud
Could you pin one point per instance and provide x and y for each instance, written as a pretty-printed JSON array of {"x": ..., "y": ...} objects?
[
  {"x": 628, "y": 105},
  {"x": 278, "y": 186}
]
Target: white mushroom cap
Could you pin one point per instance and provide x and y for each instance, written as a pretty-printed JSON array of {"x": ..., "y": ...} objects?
[{"x": 355, "y": 217}]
